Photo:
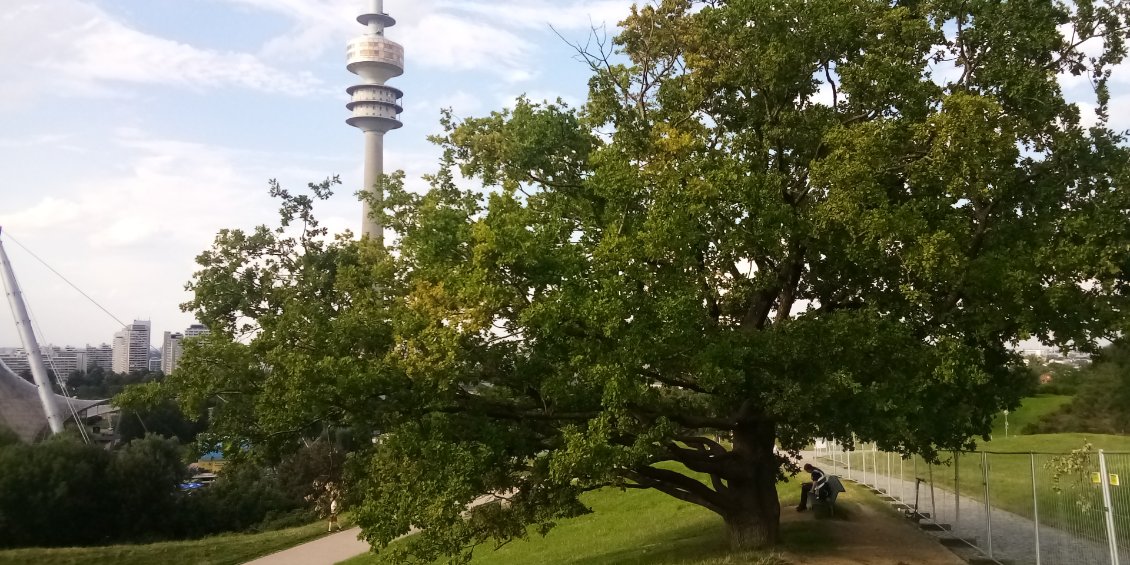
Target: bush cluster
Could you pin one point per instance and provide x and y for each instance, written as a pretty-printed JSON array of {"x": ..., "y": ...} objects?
[{"x": 63, "y": 493}]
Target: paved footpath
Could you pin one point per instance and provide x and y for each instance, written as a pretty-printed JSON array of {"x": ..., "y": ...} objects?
[
  {"x": 331, "y": 549},
  {"x": 328, "y": 550}
]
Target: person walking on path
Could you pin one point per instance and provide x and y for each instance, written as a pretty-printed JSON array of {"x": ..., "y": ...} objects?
[
  {"x": 327, "y": 502},
  {"x": 333, "y": 517},
  {"x": 334, "y": 507}
]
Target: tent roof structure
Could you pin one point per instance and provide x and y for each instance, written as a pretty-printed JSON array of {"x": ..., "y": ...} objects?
[{"x": 21, "y": 410}]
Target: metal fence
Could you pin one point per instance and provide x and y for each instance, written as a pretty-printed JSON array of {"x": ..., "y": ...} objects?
[{"x": 1023, "y": 508}]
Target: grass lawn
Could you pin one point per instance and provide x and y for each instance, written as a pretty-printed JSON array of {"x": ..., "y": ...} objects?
[
  {"x": 1031, "y": 409},
  {"x": 644, "y": 527},
  {"x": 218, "y": 550}
]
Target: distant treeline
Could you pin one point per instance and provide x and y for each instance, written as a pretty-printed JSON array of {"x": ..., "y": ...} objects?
[
  {"x": 96, "y": 383},
  {"x": 1101, "y": 391}
]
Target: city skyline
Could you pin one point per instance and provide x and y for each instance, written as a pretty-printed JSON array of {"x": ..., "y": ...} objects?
[{"x": 104, "y": 180}]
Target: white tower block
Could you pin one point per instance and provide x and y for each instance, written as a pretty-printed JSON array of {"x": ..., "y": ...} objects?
[{"x": 375, "y": 107}]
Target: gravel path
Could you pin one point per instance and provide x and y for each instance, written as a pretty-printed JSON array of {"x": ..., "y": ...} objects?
[{"x": 1013, "y": 538}]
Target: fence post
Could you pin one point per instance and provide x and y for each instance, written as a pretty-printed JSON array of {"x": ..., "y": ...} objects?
[
  {"x": 988, "y": 508},
  {"x": 1111, "y": 533},
  {"x": 875, "y": 463},
  {"x": 1035, "y": 508},
  {"x": 863, "y": 464},
  {"x": 848, "y": 453},
  {"x": 875, "y": 476},
  {"x": 888, "y": 473},
  {"x": 933, "y": 503},
  {"x": 956, "y": 491},
  {"x": 902, "y": 479}
]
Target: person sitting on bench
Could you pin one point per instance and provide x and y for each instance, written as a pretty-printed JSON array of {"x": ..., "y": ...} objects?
[{"x": 818, "y": 485}]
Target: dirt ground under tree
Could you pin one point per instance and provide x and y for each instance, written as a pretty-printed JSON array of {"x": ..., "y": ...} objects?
[{"x": 865, "y": 532}]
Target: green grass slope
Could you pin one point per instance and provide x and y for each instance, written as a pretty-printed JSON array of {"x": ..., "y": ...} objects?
[
  {"x": 651, "y": 528},
  {"x": 1031, "y": 410},
  {"x": 218, "y": 550}
]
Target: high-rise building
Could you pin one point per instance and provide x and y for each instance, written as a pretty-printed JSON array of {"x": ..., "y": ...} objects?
[
  {"x": 61, "y": 360},
  {"x": 131, "y": 348},
  {"x": 65, "y": 360},
  {"x": 121, "y": 353},
  {"x": 101, "y": 356},
  {"x": 16, "y": 360},
  {"x": 173, "y": 346},
  {"x": 171, "y": 351},
  {"x": 375, "y": 108}
]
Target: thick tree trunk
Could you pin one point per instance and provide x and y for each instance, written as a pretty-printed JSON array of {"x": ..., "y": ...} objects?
[
  {"x": 753, "y": 515},
  {"x": 748, "y": 535}
]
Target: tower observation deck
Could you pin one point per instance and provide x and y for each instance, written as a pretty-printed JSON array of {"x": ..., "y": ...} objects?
[{"x": 374, "y": 107}]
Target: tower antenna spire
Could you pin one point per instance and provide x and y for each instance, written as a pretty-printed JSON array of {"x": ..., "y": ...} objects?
[{"x": 375, "y": 107}]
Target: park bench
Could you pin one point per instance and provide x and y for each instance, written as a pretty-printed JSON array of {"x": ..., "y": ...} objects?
[{"x": 827, "y": 505}]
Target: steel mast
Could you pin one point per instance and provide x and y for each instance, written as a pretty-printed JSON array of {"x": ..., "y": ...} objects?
[{"x": 31, "y": 346}]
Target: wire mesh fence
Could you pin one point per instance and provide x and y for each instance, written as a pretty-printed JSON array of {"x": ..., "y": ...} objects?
[{"x": 1023, "y": 508}]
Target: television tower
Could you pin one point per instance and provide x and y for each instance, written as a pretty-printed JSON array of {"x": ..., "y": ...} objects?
[{"x": 375, "y": 107}]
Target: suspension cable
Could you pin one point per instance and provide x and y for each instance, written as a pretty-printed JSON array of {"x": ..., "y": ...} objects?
[
  {"x": 50, "y": 356},
  {"x": 8, "y": 234},
  {"x": 79, "y": 423}
]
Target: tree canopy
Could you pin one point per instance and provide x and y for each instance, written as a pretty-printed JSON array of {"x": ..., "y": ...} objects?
[{"x": 773, "y": 220}]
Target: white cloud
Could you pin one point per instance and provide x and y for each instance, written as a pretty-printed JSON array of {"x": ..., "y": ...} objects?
[
  {"x": 72, "y": 48},
  {"x": 200, "y": 186},
  {"x": 467, "y": 46},
  {"x": 487, "y": 36},
  {"x": 49, "y": 213},
  {"x": 461, "y": 102},
  {"x": 128, "y": 236},
  {"x": 540, "y": 96},
  {"x": 581, "y": 14},
  {"x": 105, "y": 50},
  {"x": 35, "y": 140}
]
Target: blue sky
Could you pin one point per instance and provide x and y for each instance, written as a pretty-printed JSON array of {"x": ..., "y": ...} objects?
[{"x": 134, "y": 130}]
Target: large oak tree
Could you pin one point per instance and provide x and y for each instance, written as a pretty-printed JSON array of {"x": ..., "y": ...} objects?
[{"x": 773, "y": 220}]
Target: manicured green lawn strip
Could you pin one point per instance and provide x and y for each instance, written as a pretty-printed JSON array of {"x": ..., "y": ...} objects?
[
  {"x": 218, "y": 550},
  {"x": 1031, "y": 410},
  {"x": 648, "y": 527}
]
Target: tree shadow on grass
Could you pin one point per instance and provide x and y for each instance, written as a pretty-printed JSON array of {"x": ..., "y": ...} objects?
[
  {"x": 696, "y": 542},
  {"x": 675, "y": 546}
]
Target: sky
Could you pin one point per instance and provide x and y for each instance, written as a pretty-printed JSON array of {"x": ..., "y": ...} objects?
[{"x": 134, "y": 130}]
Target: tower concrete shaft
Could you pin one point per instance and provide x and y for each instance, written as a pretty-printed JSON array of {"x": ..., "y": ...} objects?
[
  {"x": 374, "y": 169},
  {"x": 375, "y": 108}
]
